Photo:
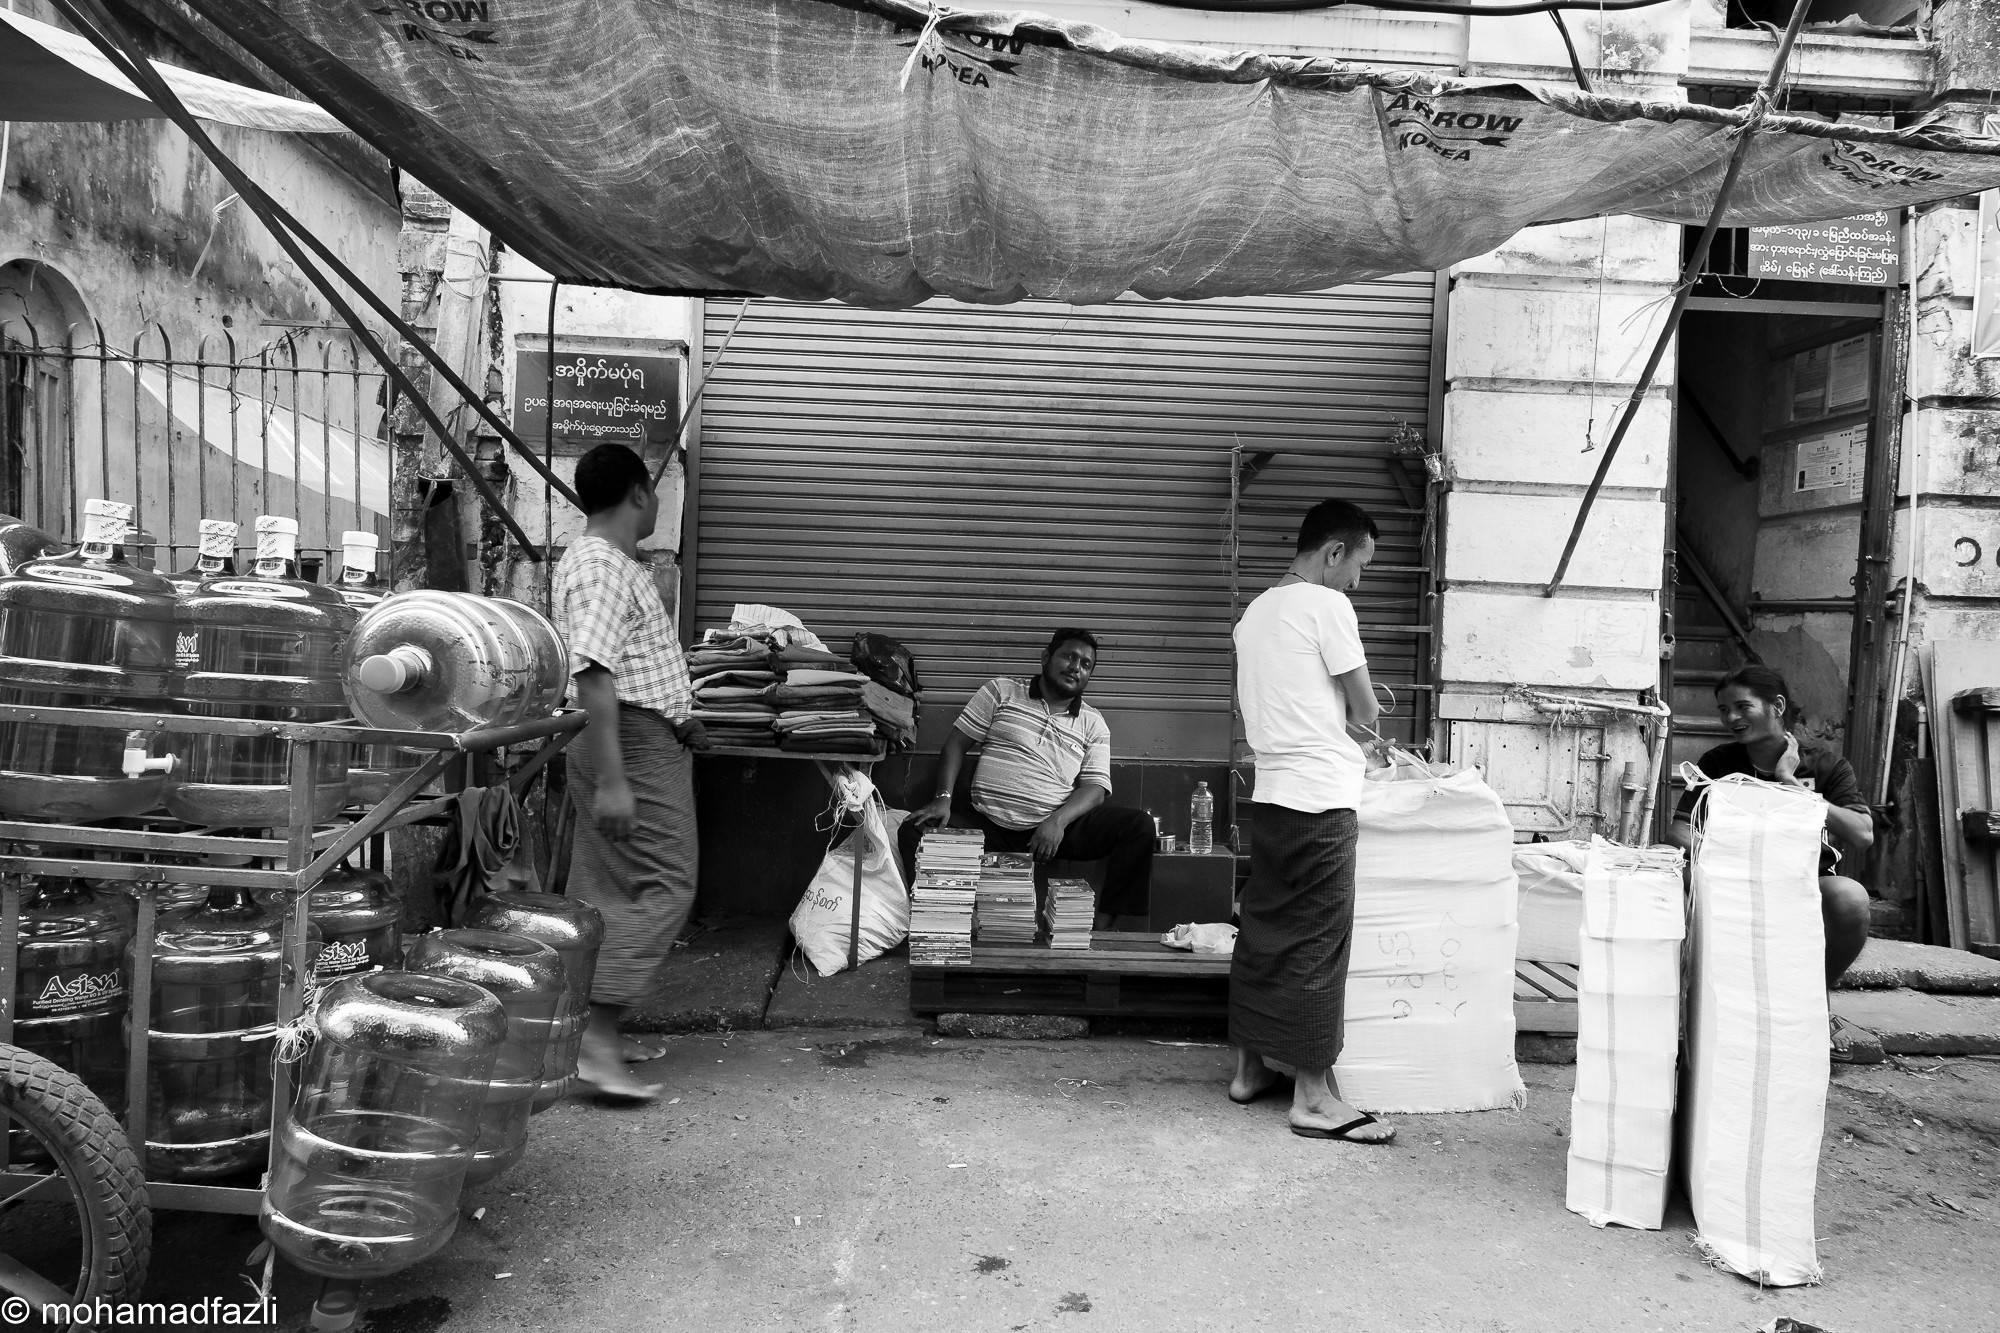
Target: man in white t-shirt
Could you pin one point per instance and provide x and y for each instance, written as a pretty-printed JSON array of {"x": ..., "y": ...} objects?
[{"x": 1302, "y": 681}]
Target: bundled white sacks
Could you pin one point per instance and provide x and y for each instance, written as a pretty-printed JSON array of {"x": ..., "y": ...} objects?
[
  {"x": 1430, "y": 983},
  {"x": 1757, "y": 1030},
  {"x": 1551, "y": 912},
  {"x": 823, "y": 922},
  {"x": 1621, "y": 1126}
]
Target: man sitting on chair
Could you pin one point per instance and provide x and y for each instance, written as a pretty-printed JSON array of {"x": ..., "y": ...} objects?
[{"x": 1044, "y": 774}]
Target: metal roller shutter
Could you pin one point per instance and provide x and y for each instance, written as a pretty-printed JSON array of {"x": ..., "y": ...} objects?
[{"x": 967, "y": 478}]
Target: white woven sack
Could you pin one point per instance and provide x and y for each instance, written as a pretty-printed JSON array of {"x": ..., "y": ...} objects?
[
  {"x": 1621, "y": 1137},
  {"x": 1430, "y": 982},
  {"x": 1551, "y": 912},
  {"x": 1757, "y": 1030}
]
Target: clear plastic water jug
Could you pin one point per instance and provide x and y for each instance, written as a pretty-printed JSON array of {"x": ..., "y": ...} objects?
[
  {"x": 371, "y": 1158},
  {"x": 526, "y": 976},
  {"x": 358, "y": 919},
  {"x": 450, "y": 661},
  {"x": 70, "y": 994},
  {"x": 214, "y": 558},
  {"x": 267, "y": 645},
  {"x": 84, "y": 630},
  {"x": 214, "y": 1028},
  {"x": 575, "y": 930}
]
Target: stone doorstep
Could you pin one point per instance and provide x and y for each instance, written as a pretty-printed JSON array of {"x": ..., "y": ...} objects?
[
  {"x": 874, "y": 995},
  {"x": 1899, "y": 964},
  {"x": 718, "y": 977},
  {"x": 1910, "y": 1022}
]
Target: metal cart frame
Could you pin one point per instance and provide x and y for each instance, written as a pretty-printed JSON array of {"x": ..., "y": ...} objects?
[{"x": 305, "y": 854}]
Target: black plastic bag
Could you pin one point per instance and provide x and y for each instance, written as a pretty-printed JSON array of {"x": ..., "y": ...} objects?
[{"x": 886, "y": 662}]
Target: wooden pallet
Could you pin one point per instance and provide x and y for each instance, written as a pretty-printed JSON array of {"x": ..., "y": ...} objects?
[
  {"x": 1545, "y": 997},
  {"x": 1126, "y": 975},
  {"x": 1133, "y": 975}
]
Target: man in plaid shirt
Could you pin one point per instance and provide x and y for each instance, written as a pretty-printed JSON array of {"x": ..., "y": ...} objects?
[{"x": 632, "y": 776}]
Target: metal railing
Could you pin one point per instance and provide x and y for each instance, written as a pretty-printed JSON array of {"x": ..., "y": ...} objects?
[{"x": 294, "y": 427}]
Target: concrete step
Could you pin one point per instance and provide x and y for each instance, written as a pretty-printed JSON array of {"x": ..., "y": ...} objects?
[
  {"x": 1910, "y": 1022},
  {"x": 874, "y": 995},
  {"x": 718, "y": 977},
  {"x": 1891, "y": 964}
]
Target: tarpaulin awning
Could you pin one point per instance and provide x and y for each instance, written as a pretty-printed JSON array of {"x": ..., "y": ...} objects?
[
  {"x": 852, "y": 149},
  {"x": 48, "y": 73}
]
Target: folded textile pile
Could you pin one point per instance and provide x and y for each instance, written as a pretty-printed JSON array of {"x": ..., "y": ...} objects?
[
  {"x": 733, "y": 681},
  {"x": 1006, "y": 908},
  {"x": 943, "y": 897},
  {"x": 1071, "y": 908},
  {"x": 819, "y": 709},
  {"x": 895, "y": 714}
]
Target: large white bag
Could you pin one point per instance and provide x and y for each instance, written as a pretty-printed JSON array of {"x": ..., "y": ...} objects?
[
  {"x": 1430, "y": 984},
  {"x": 1621, "y": 1123},
  {"x": 1551, "y": 912},
  {"x": 823, "y": 921},
  {"x": 1757, "y": 1030}
]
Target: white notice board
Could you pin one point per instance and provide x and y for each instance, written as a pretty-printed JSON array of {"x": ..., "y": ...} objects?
[{"x": 1832, "y": 461}]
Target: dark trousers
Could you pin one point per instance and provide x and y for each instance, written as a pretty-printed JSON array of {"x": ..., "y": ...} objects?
[{"x": 1114, "y": 833}]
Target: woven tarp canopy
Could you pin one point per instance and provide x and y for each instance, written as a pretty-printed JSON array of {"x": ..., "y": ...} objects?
[{"x": 882, "y": 152}]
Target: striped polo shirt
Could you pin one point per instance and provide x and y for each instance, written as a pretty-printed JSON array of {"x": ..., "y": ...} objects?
[{"x": 1033, "y": 754}]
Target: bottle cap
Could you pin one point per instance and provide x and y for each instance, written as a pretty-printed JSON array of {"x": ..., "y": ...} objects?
[
  {"x": 358, "y": 550},
  {"x": 105, "y": 522},
  {"x": 218, "y": 539},
  {"x": 277, "y": 538}
]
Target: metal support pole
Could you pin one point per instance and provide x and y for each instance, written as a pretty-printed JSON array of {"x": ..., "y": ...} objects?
[{"x": 1690, "y": 272}]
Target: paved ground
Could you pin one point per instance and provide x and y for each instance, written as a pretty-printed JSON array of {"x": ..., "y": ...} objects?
[{"x": 885, "y": 1180}]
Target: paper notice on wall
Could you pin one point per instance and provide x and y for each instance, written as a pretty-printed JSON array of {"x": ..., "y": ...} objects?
[
  {"x": 1809, "y": 377},
  {"x": 1831, "y": 462},
  {"x": 1847, "y": 378},
  {"x": 1986, "y": 286}
]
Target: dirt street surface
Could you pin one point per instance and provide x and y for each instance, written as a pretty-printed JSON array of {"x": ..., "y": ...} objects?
[{"x": 882, "y": 1182}]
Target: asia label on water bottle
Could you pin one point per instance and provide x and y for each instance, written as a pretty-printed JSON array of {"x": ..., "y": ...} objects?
[{"x": 73, "y": 989}]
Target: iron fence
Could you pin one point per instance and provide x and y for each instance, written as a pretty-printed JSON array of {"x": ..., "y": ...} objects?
[{"x": 295, "y": 427}]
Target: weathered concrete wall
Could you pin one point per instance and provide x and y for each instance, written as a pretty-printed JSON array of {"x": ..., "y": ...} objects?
[{"x": 133, "y": 218}]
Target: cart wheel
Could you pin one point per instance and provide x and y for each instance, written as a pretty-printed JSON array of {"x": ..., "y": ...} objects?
[{"x": 111, "y": 1236}]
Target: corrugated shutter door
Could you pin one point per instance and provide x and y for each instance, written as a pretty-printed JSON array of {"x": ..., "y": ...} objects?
[{"x": 968, "y": 478}]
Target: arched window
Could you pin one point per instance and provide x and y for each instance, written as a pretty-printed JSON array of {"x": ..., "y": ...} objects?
[{"x": 38, "y": 309}]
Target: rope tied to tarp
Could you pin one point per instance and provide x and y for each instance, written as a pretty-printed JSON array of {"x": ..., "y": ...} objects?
[{"x": 927, "y": 42}]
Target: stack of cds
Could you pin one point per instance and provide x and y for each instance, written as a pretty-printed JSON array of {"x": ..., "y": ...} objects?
[
  {"x": 943, "y": 898},
  {"x": 1072, "y": 904},
  {"x": 1006, "y": 899}
]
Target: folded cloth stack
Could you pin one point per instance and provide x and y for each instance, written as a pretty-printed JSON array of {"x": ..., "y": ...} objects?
[
  {"x": 820, "y": 710},
  {"x": 895, "y": 714},
  {"x": 733, "y": 654},
  {"x": 797, "y": 656},
  {"x": 733, "y": 703}
]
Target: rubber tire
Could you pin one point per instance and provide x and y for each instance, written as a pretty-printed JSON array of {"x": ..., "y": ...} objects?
[{"x": 90, "y": 1148}]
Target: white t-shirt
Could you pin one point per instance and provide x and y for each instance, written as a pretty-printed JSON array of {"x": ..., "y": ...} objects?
[{"x": 1291, "y": 643}]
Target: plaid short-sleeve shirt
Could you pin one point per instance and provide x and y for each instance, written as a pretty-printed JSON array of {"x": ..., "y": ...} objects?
[{"x": 610, "y": 615}]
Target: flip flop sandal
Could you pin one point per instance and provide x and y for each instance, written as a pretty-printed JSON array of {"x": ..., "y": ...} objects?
[
  {"x": 1345, "y": 1133},
  {"x": 1269, "y": 1089},
  {"x": 637, "y": 1095}
]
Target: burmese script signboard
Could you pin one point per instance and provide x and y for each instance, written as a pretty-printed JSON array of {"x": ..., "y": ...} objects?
[
  {"x": 1862, "y": 251},
  {"x": 601, "y": 397}
]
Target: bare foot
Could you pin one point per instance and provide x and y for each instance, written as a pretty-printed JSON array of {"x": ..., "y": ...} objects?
[
  {"x": 1251, "y": 1084},
  {"x": 612, "y": 1083},
  {"x": 633, "y": 1052}
]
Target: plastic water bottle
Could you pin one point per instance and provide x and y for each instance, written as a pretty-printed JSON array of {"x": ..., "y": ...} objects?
[{"x": 1201, "y": 821}]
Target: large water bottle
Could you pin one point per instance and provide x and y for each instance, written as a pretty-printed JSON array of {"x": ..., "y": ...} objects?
[
  {"x": 526, "y": 976},
  {"x": 21, "y": 542},
  {"x": 70, "y": 991},
  {"x": 267, "y": 646},
  {"x": 214, "y": 1030},
  {"x": 451, "y": 661},
  {"x": 372, "y": 1156},
  {"x": 358, "y": 919},
  {"x": 575, "y": 930},
  {"x": 1201, "y": 821},
  {"x": 84, "y": 630},
  {"x": 214, "y": 558}
]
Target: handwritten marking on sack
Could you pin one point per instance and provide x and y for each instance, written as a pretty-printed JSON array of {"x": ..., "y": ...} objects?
[
  {"x": 1452, "y": 135},
  {"x": 968, "y": 67},
  {"x": 1864, "y": 166},
  {"x": 414, "y": 22}
]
